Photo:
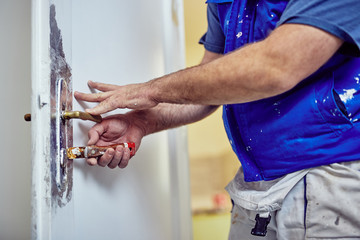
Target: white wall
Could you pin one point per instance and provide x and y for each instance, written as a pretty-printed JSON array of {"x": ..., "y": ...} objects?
[
  {"x": 122, "y": 42},
  {"x": 15, "y": 79}
]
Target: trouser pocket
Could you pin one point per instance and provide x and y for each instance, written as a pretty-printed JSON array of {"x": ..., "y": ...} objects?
[{"x": 333, "y": 206}]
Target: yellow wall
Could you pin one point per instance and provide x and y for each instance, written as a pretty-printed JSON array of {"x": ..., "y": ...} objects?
[
  {"x": 211, "y": 226},
  {"x": 208, "y": 136},
  {"x": 195, "y": 27}
]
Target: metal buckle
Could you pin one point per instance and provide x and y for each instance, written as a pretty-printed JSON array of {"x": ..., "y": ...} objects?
[{"x": 261, "y": 224}]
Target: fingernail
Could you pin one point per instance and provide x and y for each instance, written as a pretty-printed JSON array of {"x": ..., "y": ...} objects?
[{"x": 111, "y": 151}]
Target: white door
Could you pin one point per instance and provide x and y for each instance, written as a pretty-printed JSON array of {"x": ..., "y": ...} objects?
[{"x": 116, "y": 42}]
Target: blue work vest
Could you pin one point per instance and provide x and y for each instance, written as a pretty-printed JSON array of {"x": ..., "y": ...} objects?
[{"x": 305, "y": 127}]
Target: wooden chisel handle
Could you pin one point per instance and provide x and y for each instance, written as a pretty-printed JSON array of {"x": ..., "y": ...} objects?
[{"x": 97, "y": 151}]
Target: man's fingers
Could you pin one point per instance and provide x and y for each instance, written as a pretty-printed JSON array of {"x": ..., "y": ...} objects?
[
  {"x": 92, "y": 97},
  {"x": 102, "y": 86},
  {"x": 94, "y": 134},
  {"x": 105, "y": 159},
  {"x": 117, "y": 157},
  {"x": 91, "y": 161},
  {"x": 93, "y": 137},
  {"x": 125, "y": 159},
  {"x": 105, "y": 106}
]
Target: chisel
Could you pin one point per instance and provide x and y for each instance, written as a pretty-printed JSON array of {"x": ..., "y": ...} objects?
[{"x": 96, "y": 151}]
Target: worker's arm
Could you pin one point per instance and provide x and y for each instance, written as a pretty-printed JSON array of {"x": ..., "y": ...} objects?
[
  {"x": 134, "y": 125},
  {"x": 260, "y": 70}
]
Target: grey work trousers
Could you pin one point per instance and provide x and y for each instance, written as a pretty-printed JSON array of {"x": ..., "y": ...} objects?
[{"x": 325, "y": 204}]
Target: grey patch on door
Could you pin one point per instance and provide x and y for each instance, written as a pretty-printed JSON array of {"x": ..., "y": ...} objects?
[{"x": 61, "y": 131}]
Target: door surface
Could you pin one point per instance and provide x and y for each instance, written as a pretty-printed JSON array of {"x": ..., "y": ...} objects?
[{"x": 117, "y": 42}]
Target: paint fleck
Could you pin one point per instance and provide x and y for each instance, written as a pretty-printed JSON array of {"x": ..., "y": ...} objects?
[
  {"x": 333, "y": 111},
  {"x": 277, "y": 111},
  {"x": 348, "y": 95},
  {"x": 357, "y": 79},
  {"x": 74, "y": 152}
]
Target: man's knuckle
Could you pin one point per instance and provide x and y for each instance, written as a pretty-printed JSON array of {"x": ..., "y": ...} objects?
[{"x": 98, "y": 96}]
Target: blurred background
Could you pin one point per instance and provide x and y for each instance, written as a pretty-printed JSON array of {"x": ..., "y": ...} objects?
[{"x": 212, "y": 162}]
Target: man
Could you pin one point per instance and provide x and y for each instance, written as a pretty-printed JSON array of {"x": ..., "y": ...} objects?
[{"x": 287, "y": 74}]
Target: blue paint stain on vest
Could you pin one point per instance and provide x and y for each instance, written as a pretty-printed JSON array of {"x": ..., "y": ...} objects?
[{"x": 302, "y": 128}]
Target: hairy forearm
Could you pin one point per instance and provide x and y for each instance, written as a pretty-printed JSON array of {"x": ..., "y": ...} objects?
[
  {"x": 257, "y": 71},
  {"x": 234, "y": 78},
  {"x": 166, "y": 116}
]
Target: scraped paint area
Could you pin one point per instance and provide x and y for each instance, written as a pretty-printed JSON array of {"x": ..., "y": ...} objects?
[{"x": 61, "y": 170}]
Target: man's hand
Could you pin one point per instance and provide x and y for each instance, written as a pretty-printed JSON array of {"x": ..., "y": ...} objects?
[
  {"x": 133, "y": 96},
  {"x": 114, "y": 130}
]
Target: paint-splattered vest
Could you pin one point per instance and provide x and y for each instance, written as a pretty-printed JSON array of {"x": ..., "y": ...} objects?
[{"x": 315, "y": 123}]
